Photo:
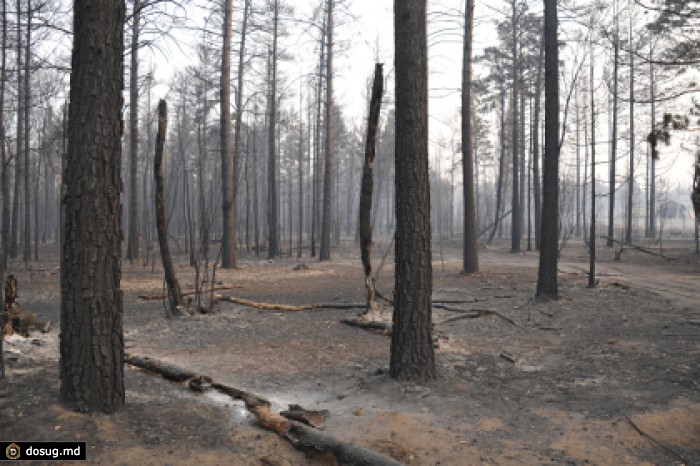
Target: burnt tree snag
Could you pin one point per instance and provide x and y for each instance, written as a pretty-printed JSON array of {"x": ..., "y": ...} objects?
[
  {"x": 375, "y": 106},
  {"x": 174, "y": 292}
]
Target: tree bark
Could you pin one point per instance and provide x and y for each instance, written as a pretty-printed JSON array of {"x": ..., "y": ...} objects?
[
  {"x": 92, "y": 334},
  {"x": 239, "y": 102},
  {"x": 228, "y": 246},
  {"x": 3, "y": 154},
  {"x": 549, "y": 251},
  {"x": 174, "y": 291},
  {"x": 412, "y": 353},
  {"x": 516, "y": 231},
  {"x": 536, "y": 150},
  {"x": 470, "y": 252},
  {"x": 501, "y": 167},
  {"x": 368, "y": 186},
  {"x": 26, "y": 237},
  {"x": 613, "y": 141},
  {"x": 132, "y": 250},
  {"x": 630, "y": 187},
  {"x": 325, "y": 247},
  {"x": 273, "y": 206}
]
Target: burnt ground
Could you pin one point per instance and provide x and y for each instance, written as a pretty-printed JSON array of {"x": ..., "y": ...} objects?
[{"x": 582, "y": 367}]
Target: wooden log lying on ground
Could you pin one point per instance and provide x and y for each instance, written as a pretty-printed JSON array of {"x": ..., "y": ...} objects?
[
  {"x": 299, "y": 435},
  {"x": 286, "y": 307},
  {"x": 369, "y": 325},
  {"x": 639, "y": 248},
  {"x": 160, "y": 297}
]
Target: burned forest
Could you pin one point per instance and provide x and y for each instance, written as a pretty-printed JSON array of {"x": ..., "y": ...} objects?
[{"x": 335, "y": 232}]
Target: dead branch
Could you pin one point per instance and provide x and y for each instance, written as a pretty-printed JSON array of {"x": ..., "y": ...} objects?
[
  {"x": 299, "y": 435},
  {"x": 639, "y": 248},
  {"x": 385, "y": 327},
  {"x": 475, "y": 314},
  {"x": 158, "y": 297},
  {"x": 286, "y": 307},
  {"x": 658, "y": 442}
]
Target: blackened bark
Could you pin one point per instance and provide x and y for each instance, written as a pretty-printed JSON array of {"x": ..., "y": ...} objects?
[
  {"x": 228, "y": 246},
  {"x": 516, "y": 230},
  {"x": 92, "y": 334},
  {"x": 613, "y": 141},
  {"x": 3, "y": 153},
  {"x": 174, "y": 292},
  {"x": 325, "y": 247},
  {"x": 592, "y": 251},
  {"x": 132, "y": 250},
  {"x": 501, "y": 167},
  {"x": 273, "y": 214},
  {"x": 368, "y": 186},
  {"x": 470, "y": 252},
  {"x": 536, "y": 149},
  {"x": 26, "y": 237},
  {"x": 549, "y": 250},
  {"x": 412, "y": 354},
  {"x": 239, "y": 103}
]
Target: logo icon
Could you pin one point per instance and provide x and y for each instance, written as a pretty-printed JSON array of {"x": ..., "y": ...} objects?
[{"x": 12, "y": 451}]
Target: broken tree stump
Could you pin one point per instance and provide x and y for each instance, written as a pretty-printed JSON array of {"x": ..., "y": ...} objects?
[{"x": 367, "y": 186}]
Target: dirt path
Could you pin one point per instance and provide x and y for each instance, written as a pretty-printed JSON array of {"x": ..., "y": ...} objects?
[{"x": 577, "y": 368}]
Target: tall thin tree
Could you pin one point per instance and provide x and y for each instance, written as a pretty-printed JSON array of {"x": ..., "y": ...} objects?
[
  {"x": 613, "y": 141},
  {"x": 325, "y": 247},
  {"x": 228, "y": 246},
  {"x": 470, "y": 252},
  {"x": 132, "y": 250},
  {"x": 549, "y": 249},
  {"x": 273, "y": 208}
]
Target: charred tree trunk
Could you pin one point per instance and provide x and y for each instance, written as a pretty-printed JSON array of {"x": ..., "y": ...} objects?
[
  {"x": 3, "y": 154},
  {"x": 92, "y": 334},
  {"x": 132, "y": 250},
  {"x": 630, "y": 187},
  {"x": 325, "y": 249},
  {"x": 412, "y": 353},
  {"x": 501, "y": 167},
  {"x": 273, "y": 206},
  {"x": 516, "y": 231},
  {"x": 470, "y": 252},
  {"x": 228, "y": 246},
  {"x": 549, "y": 251},
  {"x": 613, "y": 141},
  {"x": 239, "y": 103},
  {"x": 592, "y": 236},
  {"x": 536, "y": 150},
  {"x": 368, "y": 186},
  {"x": 174, "y": 292},
  {"x": 26, "y": 237}
]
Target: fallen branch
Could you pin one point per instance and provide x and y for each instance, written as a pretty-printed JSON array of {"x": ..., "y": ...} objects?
[
  {"x": 639, "y": 248},
  {"x": 286, "y": 307},
  {"x": 159, "y": 297},
  {"x": 299, "y": 435},
  {"x": 475, "y": 314},
  {"x": 385, "y": 327},
  {"x": 658, "y": 442}
]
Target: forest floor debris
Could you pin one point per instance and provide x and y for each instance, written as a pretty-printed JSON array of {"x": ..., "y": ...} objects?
[{"x": 581, "y": 366}]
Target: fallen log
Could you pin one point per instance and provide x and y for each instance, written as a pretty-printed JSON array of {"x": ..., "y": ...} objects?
[
  {"x": 299, "y": 435},
  {"x": 160, "y": 297},
  {"x": 287, "y": 307},
  {"x": 475, "y": 314},
  {"x": 385, "y": 327},
  {"x": 638, "y": 248}
]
